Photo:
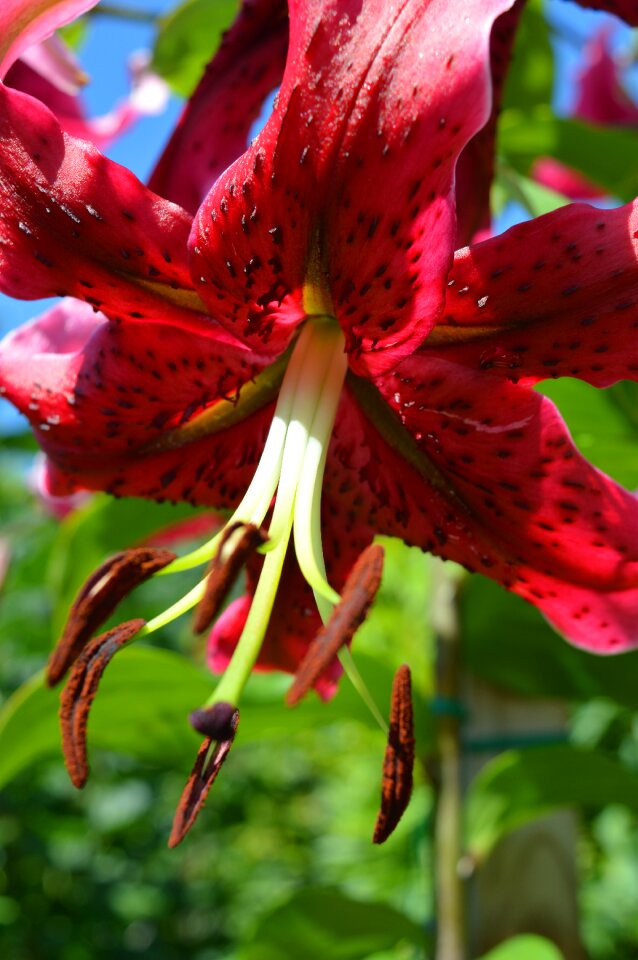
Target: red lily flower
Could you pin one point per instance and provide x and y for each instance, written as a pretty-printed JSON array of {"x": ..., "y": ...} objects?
[{"x": 310, "y": 338}]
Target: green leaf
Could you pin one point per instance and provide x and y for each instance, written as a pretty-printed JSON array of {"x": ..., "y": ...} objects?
[
  {"x": 519, "y": 786},
  {"x": 507, "y": 642},
  {"x": 530, "y": 78},
  {"x": 322, "y": 922},
  {"x": 624, "y": 396},
  {"x": 187, "y": 40},
  {"x": 90, "y": 535},
  {"x": 526, "y": 947},
  {"x": 604, "y": 154},
  {"x": 602, "y": 430},
  {"x": 533, "y": 197}
]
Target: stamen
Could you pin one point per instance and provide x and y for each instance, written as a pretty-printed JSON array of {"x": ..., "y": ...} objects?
[
  {"x": 257, "y": 499},
  {"x": 210, "y": 757},
  {"x": 358, "y": 593},
  {"x": 237, "y": 544},
  {"x": 99, "y": 596},
  {"x": 398, "y": 761},
  {"x": 307, "y": 517},
  {"x": 79, "y": 693}
]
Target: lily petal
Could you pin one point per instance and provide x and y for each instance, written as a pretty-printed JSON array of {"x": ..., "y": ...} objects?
[
  {"x": 311, "y": 194},
  {"x": 475, "y": 169},
  {"x": 523, "y": 506},
  {"x": 76, "y": 223},
  {"x": 26, "y": 22},
  {"x": 114, "y": 406},
  {"x": 213, "y": 130},
  {"x": 556, "y": 296}
]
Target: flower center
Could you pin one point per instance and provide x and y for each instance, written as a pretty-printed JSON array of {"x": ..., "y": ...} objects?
[{"x": 291, "y": 469}]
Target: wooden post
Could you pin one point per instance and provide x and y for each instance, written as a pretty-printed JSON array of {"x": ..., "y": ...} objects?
[{"x": 529, "y": 883}]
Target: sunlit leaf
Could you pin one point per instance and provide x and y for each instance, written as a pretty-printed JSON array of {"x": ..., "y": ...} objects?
[
  {"x": 526, "y": 947},
  {"x": 187, "y": 39},
  {"x": 519, "y": 786},
  {"x": 606, "y": 155}
]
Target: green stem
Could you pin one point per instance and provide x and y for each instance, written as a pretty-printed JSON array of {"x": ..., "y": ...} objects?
[{"x": 450, "y": 894}]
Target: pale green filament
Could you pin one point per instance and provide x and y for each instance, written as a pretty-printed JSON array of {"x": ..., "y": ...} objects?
[
  {"x": 257, "y": 499},
  {"x": 292, "y": 466},
  {"x": 316, "y": 384}
]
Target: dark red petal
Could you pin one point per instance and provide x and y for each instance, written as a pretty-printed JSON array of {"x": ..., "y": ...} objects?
[
  {"x": 475, "y": 169},
  {"x": 509, "y": 496},
  {"x": 625, "y": 9},
  {"x": 213, "y": 130},
  {"x": 76, "y": 223},
  {"x": 427, "y": 91},
  {"x": 123, "y": 407},
  {"x": 79, "y": 693},
  {"x": 556, "y": 296},
  {"x": 98, "y": 598},
  {"x": 202, "y": 778},
  {"x": 312, "y": 191},
  {"x": 398, "y": 761}
]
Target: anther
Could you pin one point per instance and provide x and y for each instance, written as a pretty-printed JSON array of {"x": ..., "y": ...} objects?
[
  {"x": 209, "y": 761},
  {"x": 356, "y": 598},
  {"x": 234, "y": 550},
  {"x": 79, "y": 693},
  {"x": 216, "y": 722},
  {"x": 99, "y": 596},
  {"x": 398, "y": 761}
]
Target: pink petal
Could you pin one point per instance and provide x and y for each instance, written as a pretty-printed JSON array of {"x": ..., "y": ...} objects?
[
  {"x": 556, "y": 296},
  {"x": 57, "y": 63},
  {"x": 213, "y": 130},
  {"x": 601, "y": 98},
  {"x": 513, "y": 499},
  {"x": 554, "y": 175},
  {"x": 313, "y": 190},
  {"x": 105, "y": 400},
  {"x": 27, "y": 22}
]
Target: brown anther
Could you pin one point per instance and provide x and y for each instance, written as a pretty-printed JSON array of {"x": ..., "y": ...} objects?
[
  {"x": 217, "y": 721},
  {"x": 79, "y": 693},
  {"x": 398, "y": 762},
  {"x": 210, "y": 758},
  {"x": 356, "y": 598},
  {"x": 224, "y": 569},
  {"x": 98, "y": 598}
]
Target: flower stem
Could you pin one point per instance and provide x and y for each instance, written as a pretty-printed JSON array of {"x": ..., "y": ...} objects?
[{"x": 450, "y": 895}]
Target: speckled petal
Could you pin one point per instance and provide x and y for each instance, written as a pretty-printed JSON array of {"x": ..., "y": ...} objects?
[
  {"x": 309, "y": 200},
  {"x": 556, "y": 296},
  {"x": 116, "y": 407},
  {"x": 73, "y": 222},
  {"x": 522, "y": 505},
  {"x": 214, "y": 128}
]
